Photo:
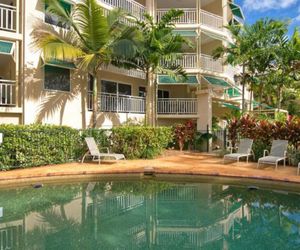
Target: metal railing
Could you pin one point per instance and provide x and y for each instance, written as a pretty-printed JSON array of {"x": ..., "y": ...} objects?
[
  {"x": 188, "y": 61},
  {"x": 8, "y": 17},
  {"x": 189, "y": 16},
  {"x": 7, "y": 92},
  {"x": 133, "y": 7},
  {"x": 128, "y": 72},
  {"x": 211, "y": 20},
  {"x": 179, "y": 106},
  {"x": 210, "y": 64},
  {"x": 122, "y": 103}
]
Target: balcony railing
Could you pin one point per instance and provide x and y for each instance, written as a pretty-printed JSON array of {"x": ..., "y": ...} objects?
[
  {"x": 208, "y": 63},
  {"x": 188, "y": 61},
  {"x": 211, "y": 20},
  {"x": 122, "y": 103},
  {"x": 7, "y": 92},
  {"x": 128, "y": 72},
  {"x": 133, "y": 7},
  {"x": 177, "y": 106},
  {"x": 189, "y": 16},
  {"x": 8, "y": 17}
]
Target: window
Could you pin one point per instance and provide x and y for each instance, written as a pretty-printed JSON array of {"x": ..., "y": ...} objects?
[
  {"x": 163, "y": 94},
  {"x": 142, "y": 91},
  {"x": 115, "y": 88},
  {"x": 51, "y": 19},
  {"x": 57, "y": 78}
]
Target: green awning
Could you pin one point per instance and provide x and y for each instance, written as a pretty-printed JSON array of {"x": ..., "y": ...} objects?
[
  {"x": 257, "y": 105},
  {"x": 236, "y": 10},
  {"x": 186, "y": 33},
  {"x": 231, "y": 106},
  {"x": 233, "y": 92},
  {"x": 60, "y": 64},
  {"x": 191, "y": 79},
  {"x": 6, "y": 47},
  {"x": 216, "y": 81},
  {"x": 67, "y": 6}
]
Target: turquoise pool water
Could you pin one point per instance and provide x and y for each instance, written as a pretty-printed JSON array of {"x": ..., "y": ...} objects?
[{"x": 148, "y": 215}]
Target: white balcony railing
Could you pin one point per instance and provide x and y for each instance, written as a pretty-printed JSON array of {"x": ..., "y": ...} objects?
[
  {"x": 208, "y": 63},
  {"x": 188, "y": 61},
  {"x": 178, "y": 106},
  {"x": 189, "y": 16},
  {"x": 211, "y": 20},
  {"x": 131, "y": 6},
  {"x": 128, "y": 72},
  {"x": 122, "y": 103},
  {"x": 8, "y": 17},
  {"x": 7, "y": 92}
]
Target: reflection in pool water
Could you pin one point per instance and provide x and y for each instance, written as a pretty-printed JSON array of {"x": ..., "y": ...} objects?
[{"x": 148, "y": 215}]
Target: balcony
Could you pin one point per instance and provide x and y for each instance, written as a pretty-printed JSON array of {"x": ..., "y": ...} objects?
[
  {"x": 189, "y": 16},
  {"x": 188, "y": 61},
  {"x": 209, "y": 64},
  {"x": 8, "y": 15},
  {"x": 122, "y": 103},
  {"x": 7, "y": 93},
  {"x": 131, "y": 6},
  {"x": 211, "y": 20},
  {"x": 177, "y": 106},
  {"x": 128, "y": 72}
]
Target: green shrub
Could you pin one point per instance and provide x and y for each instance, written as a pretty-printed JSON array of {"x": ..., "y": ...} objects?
[
  {"x": 35, "y": 145},
  {"x": 140, "y": 142}
]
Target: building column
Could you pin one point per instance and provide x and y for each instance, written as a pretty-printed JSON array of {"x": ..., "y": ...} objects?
[
  {"x": 151, "y": 8},
  {"x": 204, "y": 120}
]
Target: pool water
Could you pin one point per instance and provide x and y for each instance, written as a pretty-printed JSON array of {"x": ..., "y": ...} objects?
[{"x": 148, "y": 215}]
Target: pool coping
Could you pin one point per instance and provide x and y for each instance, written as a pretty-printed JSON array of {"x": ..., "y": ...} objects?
[{"x": 145, "y": 169}]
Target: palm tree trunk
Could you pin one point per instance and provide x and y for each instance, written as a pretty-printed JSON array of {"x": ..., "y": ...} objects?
[
  {"x": 95, "y": 100},
  {"x": 150, "y": 100},
  {"x": 243, "y": 90}
]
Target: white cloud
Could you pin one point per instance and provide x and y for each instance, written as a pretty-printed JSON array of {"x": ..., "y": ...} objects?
[
  {"x": 297, "y": 18},
  {"x": 265, "y": 5}
]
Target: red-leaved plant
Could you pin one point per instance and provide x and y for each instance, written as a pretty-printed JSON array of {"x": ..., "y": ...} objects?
[{"x": 184, "y": 133}]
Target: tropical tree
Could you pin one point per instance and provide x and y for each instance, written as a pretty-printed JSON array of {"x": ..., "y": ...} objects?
[
  {"x": 157, "y": 48},
  {"x": 237, "y": 53},
  {"x": 90, "y": 38}
]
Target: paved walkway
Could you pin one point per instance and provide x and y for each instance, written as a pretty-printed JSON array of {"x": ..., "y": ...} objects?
[{"x": 188, "y": 164}]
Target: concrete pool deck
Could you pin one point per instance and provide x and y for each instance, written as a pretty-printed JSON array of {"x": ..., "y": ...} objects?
[{"x": 192, "y": 164}]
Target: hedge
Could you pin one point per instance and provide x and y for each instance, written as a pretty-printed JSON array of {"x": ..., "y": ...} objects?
[
  {"x": 141, "y": 142},
  {"x": 35, "y": 145}
]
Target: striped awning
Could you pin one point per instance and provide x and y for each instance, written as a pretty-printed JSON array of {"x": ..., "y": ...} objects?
[
  {"x": 60, "y": 63},
  {"x": 217, "y": 81},
  {"x": 237, "y": 11},
  {"x": 6, "y": 47},
  {"x": 186, "y": 33},
  {"x": 166, "y": 80}
]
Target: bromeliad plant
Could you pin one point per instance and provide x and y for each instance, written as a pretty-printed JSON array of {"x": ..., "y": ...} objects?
[{"x": 184, "y": 133}]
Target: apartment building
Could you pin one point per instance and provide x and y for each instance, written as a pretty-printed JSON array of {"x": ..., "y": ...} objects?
[{"x": 33, "y": 90}]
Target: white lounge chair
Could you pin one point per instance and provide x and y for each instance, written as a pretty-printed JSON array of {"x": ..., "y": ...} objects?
[
  {"x": 278, "y": 153},
  {"x": 244, "y": 150},
  {"x": 94, "y": 152},
  {"x": 298, "y": 169}
]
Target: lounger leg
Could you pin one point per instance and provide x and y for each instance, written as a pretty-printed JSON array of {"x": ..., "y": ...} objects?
[
  {"x": 247, "y": 159},
  {"x": 257, "y": 165},
  {"x": 284, "y": 162},
  {"x": 276, "y": 165},
  {"x": 84, "y": 156}
]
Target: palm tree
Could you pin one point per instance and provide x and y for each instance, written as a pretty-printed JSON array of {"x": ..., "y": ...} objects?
[
  {"x": 237, "y": 54},
  {"x": 91, "y": 38},
  {"x": 157, "y": 48}
]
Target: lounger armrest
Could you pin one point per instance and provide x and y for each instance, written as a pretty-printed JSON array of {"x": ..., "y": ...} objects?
[
  {"x": 104, "y": 148},
  {"x": 266, "y": 152}
]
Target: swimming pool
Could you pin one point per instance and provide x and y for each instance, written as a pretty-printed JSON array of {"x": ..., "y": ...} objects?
[{"x": 148, "y": 215}]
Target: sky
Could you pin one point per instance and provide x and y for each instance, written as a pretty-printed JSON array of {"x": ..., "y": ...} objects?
[{"x": 276, "y": 9}]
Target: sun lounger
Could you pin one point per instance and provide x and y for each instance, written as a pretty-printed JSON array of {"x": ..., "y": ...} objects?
[
  {"x": 96, "y": 155},
  {"x": 278, "y": 153},
  {"x": 244, "y": 150}
]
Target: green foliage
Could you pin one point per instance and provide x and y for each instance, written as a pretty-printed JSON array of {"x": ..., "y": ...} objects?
[
  {"x": 35, "y": 145},
  {"x": 264, "y": 131},
  {"x": 140, "y": 142}
]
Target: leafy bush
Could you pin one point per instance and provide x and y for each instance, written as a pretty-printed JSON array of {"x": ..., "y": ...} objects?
[
  {"x": 35, "y": 145},
  {"x": 184, "y": 133},
  {"x": 140, "y": 142},
  {"x": 264, "y": 131}
]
